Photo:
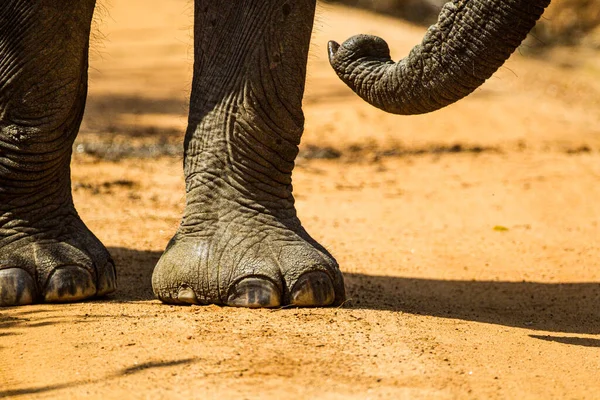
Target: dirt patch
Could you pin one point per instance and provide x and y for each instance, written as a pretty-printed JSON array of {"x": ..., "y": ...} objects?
[{"x": 468, "y": 237}]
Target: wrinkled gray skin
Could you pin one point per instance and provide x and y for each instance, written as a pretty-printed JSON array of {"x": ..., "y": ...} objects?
[{"x": 240, "y": 242}]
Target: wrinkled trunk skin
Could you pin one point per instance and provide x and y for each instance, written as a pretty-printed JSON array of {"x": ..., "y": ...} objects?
[
  {"x": 240, "y": 242},
  {"x": 46, "y": 252},
  {"x": 471, "y": 40}
]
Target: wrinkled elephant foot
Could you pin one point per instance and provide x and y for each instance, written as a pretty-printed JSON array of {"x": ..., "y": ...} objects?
[
  {"x": 252, "y": 261},
  {"x": 63, "y": 264}
]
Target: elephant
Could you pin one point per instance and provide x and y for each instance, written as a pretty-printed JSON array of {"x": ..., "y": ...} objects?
[{"x": 240, "y": 242}]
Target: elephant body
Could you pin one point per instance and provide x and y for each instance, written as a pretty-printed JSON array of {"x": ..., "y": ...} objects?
[{"x": 240, "y": 242}]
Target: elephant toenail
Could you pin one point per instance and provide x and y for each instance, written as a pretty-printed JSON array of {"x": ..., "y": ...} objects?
[
  {"x": 17, "y": 287},
  {"x": 107, "y": 280},
  {"x": 254, "y": 293},
  {"x": 313, "y": 289},
  {"x": 187, "y": 295},
  {"x": 69, "y": 284}
]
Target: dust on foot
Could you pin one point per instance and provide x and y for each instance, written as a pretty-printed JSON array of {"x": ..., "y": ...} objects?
[
  {"x": 259, "y": 262},
  {"x": 64, "y": 264}
]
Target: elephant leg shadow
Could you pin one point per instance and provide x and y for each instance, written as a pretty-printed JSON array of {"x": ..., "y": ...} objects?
[{"x": 552, "y": 307}]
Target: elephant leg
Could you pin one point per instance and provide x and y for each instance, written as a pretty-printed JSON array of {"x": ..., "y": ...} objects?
[
  {"x": 46, "y": 251},
  {"x": 240, "y": 242}
]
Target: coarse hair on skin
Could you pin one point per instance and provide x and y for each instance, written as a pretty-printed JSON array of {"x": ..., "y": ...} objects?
[
  {"x": 97, "y": 37},
  {"x": 188, "y": 11},
  {"x": 317, "y": 50},
  {"x": 321, "y": 8}
]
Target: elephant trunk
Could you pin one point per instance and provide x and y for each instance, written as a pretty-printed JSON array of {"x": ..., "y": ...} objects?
[{"x": 470, "y": 41}]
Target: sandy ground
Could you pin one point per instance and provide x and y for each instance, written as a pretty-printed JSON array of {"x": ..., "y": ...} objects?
[{"x": 468, "y": 237}]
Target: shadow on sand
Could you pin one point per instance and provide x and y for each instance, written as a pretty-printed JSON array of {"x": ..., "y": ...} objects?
[
  {"x": 124, "y": 372},
  {"x": 562, "y": 308},
  {"x": 552, "y": 307}
]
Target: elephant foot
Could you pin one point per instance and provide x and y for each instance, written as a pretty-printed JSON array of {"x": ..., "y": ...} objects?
[
  {"x": 248, "y": 259},
  {"x": 47, "y": 254},
  {"x": 54, "y": 262},
  {"x": 240, "y": 242}
]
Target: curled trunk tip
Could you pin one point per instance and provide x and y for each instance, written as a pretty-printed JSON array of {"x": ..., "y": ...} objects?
[{"x": 470, "y": 41}]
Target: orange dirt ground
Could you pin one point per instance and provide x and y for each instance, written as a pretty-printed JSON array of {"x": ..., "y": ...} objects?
[{"x": 468, "y": 237}]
